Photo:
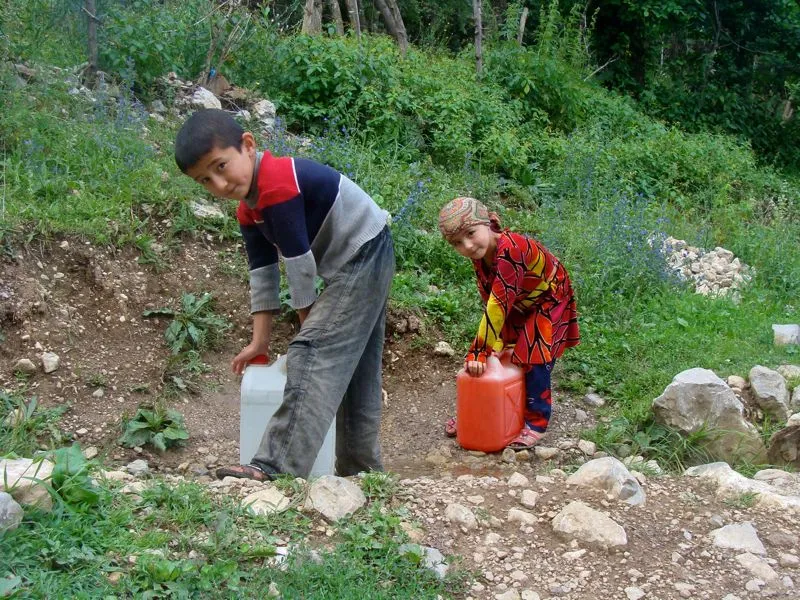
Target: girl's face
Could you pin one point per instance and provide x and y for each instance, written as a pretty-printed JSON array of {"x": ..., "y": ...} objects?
[{"x": 475, "y": 242}]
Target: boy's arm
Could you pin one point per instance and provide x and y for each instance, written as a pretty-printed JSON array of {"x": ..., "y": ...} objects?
[{"x": 262, "y": 333}]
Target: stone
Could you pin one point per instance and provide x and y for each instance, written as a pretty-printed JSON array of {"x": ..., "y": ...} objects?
[
  {"x": 26, "y": 480},
  {"x": 203, "y": 98},
  {"x": 731, "y": 484},
  {"x": 50, "y": 361},
  {"x": 435, "y": 561},
  {"x": 334, "y": 497},
  {"x": 24, "y": 365},
  {"x": 138, "y": 467},
  {"x": 443, "y": 349},
  {"x": 460, "y": 515},
  {"x": 610, "y": 475},
  {"x": 528, "y": 498},
  {"x": 545, "y": 452},
  {"x": 784, "y": 447},
  {"x": 789, "y": 371},
  {"x": 517, "y": 480},
  {"x": 203, "y": 210},
  {"x": 509, "y": 455},
  {"x": 738, "y": 536},
  {"x": 785, "y": 335},
  {"x": 530, "y": 595},
  {"x": 735, "y": 381},
  {"x": 11, "y": 513},
  {"x": 587, "y": 447},
  {"x": 90, "y": 452},
  {"x": 699, "y": 400},
  {"x": 594, "y": 400},
  {"x": 515, "y": 515},
  {"x": 634, "y": 593},
  {"x": 758, "y": 568},
  {"x": 769, "y": 390},
  {"x": 584, "y": 524},
  {"x": 264, "y": 109},
  {"x": 785, "y": 559},
  {"x": 266, "y": 501}
]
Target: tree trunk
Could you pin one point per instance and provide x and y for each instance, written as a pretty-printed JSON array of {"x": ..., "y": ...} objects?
[
  {"x": 394, "y": 22},
  {"x": 312, "y": 17},
  {"x": 355, "y": 18},
  {"x": 476, "y": 13},
  {"x": 336, "y": 11},
  {"x": 91, "y": 71},
  {"x": 522, "y": 21}
]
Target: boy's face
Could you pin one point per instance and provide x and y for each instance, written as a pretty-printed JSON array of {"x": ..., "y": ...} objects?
[
  {"x": 474, "y": 241},
  {"x": 227, "y": 172}
]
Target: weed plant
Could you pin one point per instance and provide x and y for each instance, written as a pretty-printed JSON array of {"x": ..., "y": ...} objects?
[{"x": 25, "y": 427}]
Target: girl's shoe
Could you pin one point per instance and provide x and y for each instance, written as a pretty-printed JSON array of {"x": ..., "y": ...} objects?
[
  {"x": 527, "y": 438},
  {"x": 450, "y": 427}
]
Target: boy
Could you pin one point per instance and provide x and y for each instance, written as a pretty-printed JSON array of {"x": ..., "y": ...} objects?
[{"x": 322, "y": 224}]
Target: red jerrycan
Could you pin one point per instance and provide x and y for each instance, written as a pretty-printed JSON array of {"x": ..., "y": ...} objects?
[{"x": 490, "y": 409}]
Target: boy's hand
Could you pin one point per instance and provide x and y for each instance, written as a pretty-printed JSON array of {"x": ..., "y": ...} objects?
[
  {"x": 474, "y": 367},
  {"x": 250, "y": 351}
]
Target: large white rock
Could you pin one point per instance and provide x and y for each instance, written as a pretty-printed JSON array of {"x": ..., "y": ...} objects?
[
  {"x": 769, "y": 390},
  {"x": 697, "y": 399},
  {"x": 10, "y": 513},
  {"x": 334, "y": 497},
  {"x": 759, "y": 568},
  {"x": 731, "y": 484},
  {"x": 27, "y": 481},
  {"x": 266, "y": 501},
  {"x": 578, "y": 522},
  {"x": 610, "y": 475},
  {"x": 741, "y": 537},
  {"x": 203, "y": 98},
  {"x": 786, "y": 334}
]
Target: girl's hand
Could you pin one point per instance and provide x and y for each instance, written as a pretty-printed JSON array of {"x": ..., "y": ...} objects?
[
  {"x": 249, "y": 352},
  {"x": 474, "y": 367}
]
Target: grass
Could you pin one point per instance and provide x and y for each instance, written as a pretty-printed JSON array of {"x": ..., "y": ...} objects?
[{"x": 180, "y": 541}]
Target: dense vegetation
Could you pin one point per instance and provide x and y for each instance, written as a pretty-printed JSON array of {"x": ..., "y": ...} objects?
[{"x": 587, "y": 169}]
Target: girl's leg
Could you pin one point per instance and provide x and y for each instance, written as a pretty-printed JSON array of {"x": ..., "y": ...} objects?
[{"x": 538, "y": 404}]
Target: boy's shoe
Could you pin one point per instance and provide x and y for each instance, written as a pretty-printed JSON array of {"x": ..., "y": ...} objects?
[{"x": 250, "y": 471}]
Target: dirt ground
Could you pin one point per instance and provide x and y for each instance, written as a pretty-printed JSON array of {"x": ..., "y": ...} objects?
[{"x": 85, "y": 304}]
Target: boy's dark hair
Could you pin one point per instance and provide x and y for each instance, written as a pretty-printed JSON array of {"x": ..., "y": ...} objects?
[{"x": 205, "y": 130}]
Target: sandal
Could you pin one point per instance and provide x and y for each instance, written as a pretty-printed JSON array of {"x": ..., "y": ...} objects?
[
  {"x": 250, "y": 471},
  {"x": 450, "y": 427},
  {"x": 526, "y": 439}
]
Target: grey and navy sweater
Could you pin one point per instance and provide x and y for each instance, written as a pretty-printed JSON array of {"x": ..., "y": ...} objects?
[{"x": 310, "y": 214}]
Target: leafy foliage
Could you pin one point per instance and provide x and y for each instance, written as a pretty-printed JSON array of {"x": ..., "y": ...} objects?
[
  {"x": 195, "y": 325},
  {"x": 71, "y": 478},
  {"x": 161, "y": 427}
]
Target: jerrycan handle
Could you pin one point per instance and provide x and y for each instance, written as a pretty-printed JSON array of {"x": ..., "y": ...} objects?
[
  {"x": 261, "y": 359},
  {"x": 493, "y": 362}
]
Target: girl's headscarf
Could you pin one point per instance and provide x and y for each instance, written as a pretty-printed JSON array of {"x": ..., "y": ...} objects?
[{"x": 463, "y": 212}]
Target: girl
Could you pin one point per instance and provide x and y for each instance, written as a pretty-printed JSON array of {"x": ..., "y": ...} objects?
[{"x": 529, "y": 305}]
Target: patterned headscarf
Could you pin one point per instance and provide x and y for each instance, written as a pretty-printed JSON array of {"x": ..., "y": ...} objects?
[{"x": 463, "y": 212}]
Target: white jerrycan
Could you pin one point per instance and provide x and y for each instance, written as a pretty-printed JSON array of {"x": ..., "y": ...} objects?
[{"x": 262, "y": 394}]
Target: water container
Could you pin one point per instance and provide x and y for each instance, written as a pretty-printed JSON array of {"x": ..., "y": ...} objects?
[
  {"x": 490, "y": 408},
  {"x": 262, "y": 394}
]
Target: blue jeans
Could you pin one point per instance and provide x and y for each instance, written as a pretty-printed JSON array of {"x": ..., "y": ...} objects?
[
  {"x": 538, "y": 396},
  {"x": 334, "y": 371}
]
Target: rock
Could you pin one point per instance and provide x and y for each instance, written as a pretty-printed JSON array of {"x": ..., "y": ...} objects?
[
  {"x": 90, "y": 452},
  {"x": 634, "y": 593},
  {"x": 795, "y": 405},
  {"x": 266, "y": 501},
  {"x": 530, "y": 595},
  {"x": 545, "y": 452},
  {"x": 697, "y": 399},
  {"x": 264, "y": 109},
  {"x": 334, "y": 497},
  {"x": 24, "y": 365},
  {"x": 786, "y": 334},
  {"x": 435, "y": 561},
  {"x": 789, "y": 371},
  {"x": 516, "y": 515},
  {"x": 509, "y": 455},
  {"x": 508, "y": 595},
  {"x": 517, "y": 480},
  {"x": 769, "y": 390},
  {"x": 204, "y": 210},
  {"x": 759, "y": 568},
  {"x": 581, "y": 415},
  {"x": 587, "y": 447},
  {"x": 784, "y": 447},
  {"x": 738, "y": 536},
  {"x": 27, "y": 481},
  {"x": 10, "y": 513},
  {"x": 50, "y": 361},
  {"x": 737, "y": 382},
  {"x": 787, "y": 560},
  {"x": 594, "y": 400},
  {"x": 203, "y": 98},
  {"x": 732, "y": 485},
  {"x": 610, "y": 475},
  {"x": 460, "y": 515},
  {"x": 138, "y": 467},
  {"x": 443, "y": 349},
  {"x": 579, "y": 522},
  {"x": 528, "y": 498}
]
